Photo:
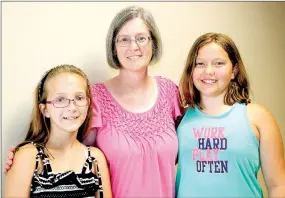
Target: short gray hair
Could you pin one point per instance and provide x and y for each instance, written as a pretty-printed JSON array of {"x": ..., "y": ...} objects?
[{"x": 119, "y": 20}]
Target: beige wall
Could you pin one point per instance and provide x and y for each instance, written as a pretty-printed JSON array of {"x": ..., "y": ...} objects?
[{"x": 37, "y": 36}]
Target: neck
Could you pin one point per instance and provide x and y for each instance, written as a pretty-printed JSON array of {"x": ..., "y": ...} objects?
[
  {"x": 214, "y": 105},
  {"x": 133, "y": 80},
  {"x": 62, "y": 141}
]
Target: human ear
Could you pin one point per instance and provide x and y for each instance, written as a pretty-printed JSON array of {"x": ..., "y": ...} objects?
[
  {"x": 234, "y": 72},
  {"x": 44, "y": 110}
]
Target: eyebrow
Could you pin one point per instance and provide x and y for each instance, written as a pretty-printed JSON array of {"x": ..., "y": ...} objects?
[
  {"x": 62, "y": 93},
  {"x": 213, "y": 59},
  {"x": 135, "y": 34}
]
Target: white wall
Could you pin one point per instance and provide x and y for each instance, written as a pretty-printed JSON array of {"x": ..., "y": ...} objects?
[{"x": 39, "y": 35}]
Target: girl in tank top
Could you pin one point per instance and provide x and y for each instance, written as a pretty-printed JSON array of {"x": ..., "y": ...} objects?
[
  {"x": 223, "y": 138},
  {"x": 51, "y": 162}
]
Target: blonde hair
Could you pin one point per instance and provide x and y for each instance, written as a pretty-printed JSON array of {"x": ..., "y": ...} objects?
[{"x": 38, "y": 132}]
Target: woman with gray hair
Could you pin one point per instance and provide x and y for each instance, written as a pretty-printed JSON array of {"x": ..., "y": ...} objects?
[{"x": 135, "y": 113}]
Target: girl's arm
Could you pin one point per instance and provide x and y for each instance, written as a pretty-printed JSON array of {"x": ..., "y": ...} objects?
[
  {"x": 18, "y": 179},
  {"x": 104, "y": 170},
  {"x": 271, "y": 149}
]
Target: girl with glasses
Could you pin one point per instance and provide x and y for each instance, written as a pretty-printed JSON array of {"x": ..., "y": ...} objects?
[{"x": 44, "y": 164}]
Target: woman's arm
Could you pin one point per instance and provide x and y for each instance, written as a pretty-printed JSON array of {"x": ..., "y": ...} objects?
[
  {"x": 104, "y": 170},
  {"x": 271, "y": 150},
  {"x": 18, "y": 179}
]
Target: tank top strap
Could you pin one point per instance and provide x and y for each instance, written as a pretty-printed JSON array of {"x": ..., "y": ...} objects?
[
  {"x": 100, "y": 188},
  {"x": 89, "y": 160},
  {"x": 88, "y": 167},
  {"x": 46, "y": 163},
  {"x": 38, "y": 156}
]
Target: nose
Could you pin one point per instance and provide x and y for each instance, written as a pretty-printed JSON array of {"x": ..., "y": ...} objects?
[
  {"x": 209, "y": 69},
  {"x": 71, "y": 105},
  {"x": 134, "y": 45}
]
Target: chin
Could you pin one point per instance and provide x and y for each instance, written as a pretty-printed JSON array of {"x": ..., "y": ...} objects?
[
  {"x": 136, "y": 66},
  {"x": 72, "y": 127},
  {"x": 210, "y": 94},
  {"x": 72, "y": 130}
]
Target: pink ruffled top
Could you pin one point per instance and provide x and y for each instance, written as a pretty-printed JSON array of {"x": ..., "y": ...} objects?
[{"x": 140, "y": 148}]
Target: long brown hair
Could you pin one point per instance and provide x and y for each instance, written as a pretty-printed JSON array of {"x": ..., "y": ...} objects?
[
  {"x": 39, "y": 132},
  {"x": 238, "y": 90}
]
